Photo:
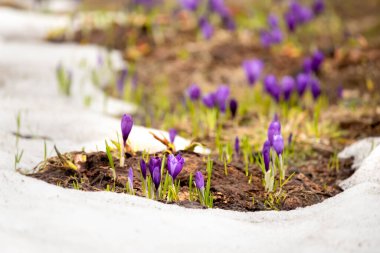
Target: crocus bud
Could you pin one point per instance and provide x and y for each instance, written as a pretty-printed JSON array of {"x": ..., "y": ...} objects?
[
  {"x": 233, "y": 107},
  {"x": 222, "y": 94},
  {"x": 307, "y": 65},
  {"x": 194, "y": 92},
  {"x": 156, "y": 177},
  {"x": 302, "y": 83},
  {"x": 206, "y": 28},
  {"x": 278, "y": 143},
  {"x": 209, "y": 100},
  {"x": 287, "y": 85},
  {"x": 199, "y": 180},
  {"x": 274, "y": 129},
  {"x": 143, "y": 168},
  {"x": 154, "y": 162},
  {"x": 273, "y": 21},
  {"x": 290, "y": 21},
  {"x": 266, "y": 154},
  {"x": 175, "y": 165},
  {"x": 253, "y": 69},
  {"x": 316, "y": 61},
  {"x": 237, "y": 145},
  {"x": 126, "y": 126},
  {"x": 315, "y": 88},
  {"x": 172, "y": 135},
  {"x": 271, "y": 86},
  {"x": 130, "y": 178}
]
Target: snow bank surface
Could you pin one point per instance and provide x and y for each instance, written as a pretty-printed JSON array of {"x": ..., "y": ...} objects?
[{"x": 38, "y": 217}]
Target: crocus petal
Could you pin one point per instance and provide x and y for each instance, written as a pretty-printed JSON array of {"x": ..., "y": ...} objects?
[
  {"x": 278, "y": 143},
  {"x": 199, "y": 180},
  {"x": 233, "y": 107},
  {"x": 194, "y": 92},
  {"x": 172, "y": 134},
  {"x": 126, "y": 126},
  {"x": 287, "y": 85}
]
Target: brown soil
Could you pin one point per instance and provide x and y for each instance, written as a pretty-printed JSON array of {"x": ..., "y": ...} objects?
[{"x": 312, "y": 182}]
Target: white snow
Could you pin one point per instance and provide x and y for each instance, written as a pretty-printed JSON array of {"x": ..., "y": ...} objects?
[{"x": 38, "y": 217}]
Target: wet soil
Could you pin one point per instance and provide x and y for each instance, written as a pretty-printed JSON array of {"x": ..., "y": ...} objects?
[{"x": 311, "y": 183}]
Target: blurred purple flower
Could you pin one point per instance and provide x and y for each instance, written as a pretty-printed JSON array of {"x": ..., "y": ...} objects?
[
  {"x": 271, "y": 86},
  {"x": 302, "y": 83},
  {"x": 191, "y": 5},
  {"x": 143, "y": 167},
  {"x": 307, "y": 62},
  {"x": 154, "y": 162},
  {"x": 315, "y": 88},
  {"x": 194, "y": 92},
  {"x": 199, "y": 180},
  {"x": 273, "y": 21},
  {"x": 209, "y": 100},
  {"x": 233, "y": 107},
  {"x": 222, "y": 94},
  {"x": 253, "y": 69},
  {"x": 121, "y": 81},
  {"x": 229, "y": 23},
  {"x": 274, "y": 128},
  {"x": 318, "y": 6},
  {"x": 287, "y": 86},
  {"x": 316, "y": 61},
  {"x": 126, "y": 126},
  {"x": 175, "y": 165},
  {"x": 219, "y": 7},
  {"x": 290, "y": 21},
  {"x": 206, "y": 28},
  {"x": 172, "y": 134}
]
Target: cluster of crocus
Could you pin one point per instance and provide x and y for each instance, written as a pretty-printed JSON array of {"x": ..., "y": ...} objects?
[
  {"x": 272, "y": 155},
  {"x": 253, "y": 69},
  {"x": 217, "y": 7},
  {"x": 126, "y": 127},
  {"x": 298, "y": 14},
  {"x": 273, "y": 34}
]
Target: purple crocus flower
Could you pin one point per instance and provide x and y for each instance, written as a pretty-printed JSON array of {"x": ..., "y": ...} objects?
[
  {"x": 271, "y": 86},
  {"x": 287, "y": 85},
  {"x": 274, "y": 129},
  {"x": 237, "y": 145},
  {"x": 219, "y": 7},
  {"x": 130, "y": 178},
  {"x": 273, "y": 21},
  {"x": 307, "y": 65},
  {"x": 209, "y": 100},
  {"x": 143, "y": 168},
  {"x": 191, "y": 5},
  {"x": 266, "y": 38},
  {"x": 156, "y": 177},
  {"x": 278, "y": 143},
  {"x": 154, "y": 163},
  {"x": 315, "y": 88},
  {"x": 318, "y": 7},
  {"x": 266, "y": 154},
  {"x": 121, "y": 80},
  {"x": 305, "y": 15},
  {"x": 233, "y": 107},
  {"x": 172, "y": 134},
  {"x": 206, "y": 28},
  {"x": 253, "y": 69},
  {"x": 290, "y": 21},
  {"x": 126, "y": 126},
  {"x": 194, "y": 92},
  {"x": 276, "y": 35},
  {"x": 199, "y": 180},
  {"x": 221, "y": 95},
  {"x": 302, "y": 83},
  {"x": 175, "y": 165},
  {"x": 316, "y": 61}
]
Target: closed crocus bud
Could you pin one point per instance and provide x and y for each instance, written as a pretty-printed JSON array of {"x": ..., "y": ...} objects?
[
  {"x": 194, "y": 92},
  {"x": 287, "y": 86},
  {"x": 237, "y": 145},
  {"x": 206, "y": 28},
  {"x": 143, "y": 168},
  {"x": 126, "y": 126},
  {"x": 270, "y": 81},
  {"x": 121, "y": 80},
  {"x": 278, "y": 143},
  {"x": 302, "y": 83},
  {"x": 154, "y": 162},
  {"x": 175, "y": 165},
  {"x": 209, "y": 100},
  {"x": 305, "y": 15},
  {"x": 316, "y": 61},
  {"x": 222, "y": 94},
  {"x": 233, "y": 107},
  {"x": 130, "y": 178},
  {"x": 266, "y": 154},
  {"x": 253, "y": 69},
  {"x": 291, "y": 21},
  {"x": 307, "y": 65},
  {"x": 274, "y": 129},
  {"x": 190, "y": 5},
  {"x": 172, "y": 134},
  {"x": 156, "y": 177},
  {"x": 199, "y": 180},
  {"x": 315, "y": 88},
  {"x": 318, "y": 6}
]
